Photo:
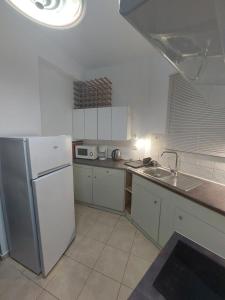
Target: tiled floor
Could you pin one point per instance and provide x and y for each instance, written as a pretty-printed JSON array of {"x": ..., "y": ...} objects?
[{"x": 105, "y": 262}]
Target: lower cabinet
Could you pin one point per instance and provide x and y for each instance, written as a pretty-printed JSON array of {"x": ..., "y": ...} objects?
[
  {"x": 99, "y": 186},
  {"x": 145, "y": 209},
  {"x": 194, "y": 221},
  {"x": 83, "y": 183},
  {"x": 108, "y": 188}
]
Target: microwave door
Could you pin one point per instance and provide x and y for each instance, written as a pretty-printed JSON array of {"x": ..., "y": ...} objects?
[{"x": 82, "y": 152}]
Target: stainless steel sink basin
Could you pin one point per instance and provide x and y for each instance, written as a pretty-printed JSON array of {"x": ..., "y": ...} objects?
[
  {"x": 157, "y": 172},
  {"x": 183, "y": 182},
  {"x": 180, "y": 181}
]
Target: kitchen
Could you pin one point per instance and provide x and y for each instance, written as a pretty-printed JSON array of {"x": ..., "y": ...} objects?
[{"x": 124, "y": 215}]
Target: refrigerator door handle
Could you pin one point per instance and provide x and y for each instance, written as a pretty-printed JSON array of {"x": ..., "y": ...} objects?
[{"x": 52, "y": 170}]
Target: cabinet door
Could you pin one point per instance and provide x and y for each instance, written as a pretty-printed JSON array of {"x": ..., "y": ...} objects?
[
  {"x": 145, "y": 210},
  {"x": 83, "y": 183},
  {"x": 90, "y": 124},
  {"x": 199, "y": 231},
  {"x": 105, "y": 123},
  {"x": 120, "y": 123},
  {"x": 108, "y": 188},
  {"x": 78, "y": 124}
]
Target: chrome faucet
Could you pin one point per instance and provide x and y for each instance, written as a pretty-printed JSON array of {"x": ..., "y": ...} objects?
[{"x": 175, "y": 170}]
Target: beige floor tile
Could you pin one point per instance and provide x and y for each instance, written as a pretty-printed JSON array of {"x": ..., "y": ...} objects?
[
  {"x": 124, "y": 293},
  {"x": 22, "y": 289},
  {"x": 135, "y": 270},
  {"x": 69, "y": 279},
  {"x": 46, "y": 296},
  {"x": 144, "y": 248},
  {"x": 84, "y": 224},
  {"x": 100, "y": 287},
  {"x": 100, "y": 232},
  {"x": 86, "y": 251},
  {"x": 122, "y": 236},
  {"x": 38, "y": 279},
  {"x": 8, "y": 275},
  {"x": 124, "y": 220},
  {"x": 112, "y": 263},
  {"x": 89, "y": 213},
  {"x": 108, "y": 219},
  {"x": 81, "y": 209},
  {"x": 76, "y": 241},
  {"x": 14, "y": 264}
]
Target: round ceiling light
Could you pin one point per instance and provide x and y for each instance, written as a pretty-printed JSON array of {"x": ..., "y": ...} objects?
[{"x": 52, "y": 13}]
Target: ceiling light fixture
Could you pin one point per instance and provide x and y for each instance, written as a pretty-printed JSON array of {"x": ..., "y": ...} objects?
[{"x": 58, "y": 14}]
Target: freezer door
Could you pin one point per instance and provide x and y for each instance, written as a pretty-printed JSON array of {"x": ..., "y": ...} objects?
[
  {"x": 54, "y": 201},
  {"x": 49, "y": 153}
]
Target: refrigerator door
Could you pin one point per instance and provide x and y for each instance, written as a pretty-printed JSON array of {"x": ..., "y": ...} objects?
[
  {"x": 18, "y": 204},
  {"x": 54, "y": 201},
  {"x": 49, "y": 153}
]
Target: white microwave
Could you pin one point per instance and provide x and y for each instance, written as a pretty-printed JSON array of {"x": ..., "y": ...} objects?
[{"x": 86, "y": 152}]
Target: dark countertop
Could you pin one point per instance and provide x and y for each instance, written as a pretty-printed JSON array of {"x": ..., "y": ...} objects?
[
  {"x": 209, "y": 194},
  {"x": 109, "y": 163}
]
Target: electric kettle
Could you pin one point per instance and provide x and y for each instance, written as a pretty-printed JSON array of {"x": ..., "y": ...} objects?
[{"x": 116, "y": 155}]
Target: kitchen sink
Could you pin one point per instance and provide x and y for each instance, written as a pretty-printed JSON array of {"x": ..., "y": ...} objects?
[
  {"x": 183, "y": 182},
  {"x": 180, "y": 181},
  {"x": 157, "y": 172}
]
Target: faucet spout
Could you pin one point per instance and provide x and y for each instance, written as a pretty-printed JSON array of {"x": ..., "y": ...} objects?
[{"x": 175, "y": 170}]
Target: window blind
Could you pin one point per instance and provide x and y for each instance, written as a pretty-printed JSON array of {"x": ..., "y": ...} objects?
[{"x": 195, "y": 124}]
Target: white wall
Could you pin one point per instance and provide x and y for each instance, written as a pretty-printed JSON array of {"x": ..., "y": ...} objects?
[
  {"x": 143, "y": 85},
  {"x": 22, "y": 43},
  {"x": 56, "y": 98}
]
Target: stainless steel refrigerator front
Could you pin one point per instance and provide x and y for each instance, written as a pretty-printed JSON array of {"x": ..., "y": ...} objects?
[{"x": 38, "y": 199}]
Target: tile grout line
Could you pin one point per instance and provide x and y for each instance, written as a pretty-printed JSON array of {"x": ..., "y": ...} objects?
[{"x": 130, "y": 253}]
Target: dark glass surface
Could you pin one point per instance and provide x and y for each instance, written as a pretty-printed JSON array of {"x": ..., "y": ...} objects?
[
  {"x": 190, "y": 275},
  {"x": 83, "y": 152}
]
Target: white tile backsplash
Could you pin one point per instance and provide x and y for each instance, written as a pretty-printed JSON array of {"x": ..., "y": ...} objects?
[{"x": 204, "y": 166}]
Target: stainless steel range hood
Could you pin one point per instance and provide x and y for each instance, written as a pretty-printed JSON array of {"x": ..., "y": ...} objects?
[{"x": 189, "y": 33}]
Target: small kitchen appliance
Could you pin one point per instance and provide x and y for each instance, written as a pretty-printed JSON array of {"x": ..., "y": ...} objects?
[
  {"x": 102, "y": 152},
  {"x": 87, "y": 152},
  {"x": 116, "y": 154}
]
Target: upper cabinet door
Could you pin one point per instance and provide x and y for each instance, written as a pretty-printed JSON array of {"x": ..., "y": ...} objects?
[
  {"x": 120, "y": 123},
  {"x": 105, "y": 123},
  {"x": 90, "y": 124},
  {"x": 78, "y": 124}
]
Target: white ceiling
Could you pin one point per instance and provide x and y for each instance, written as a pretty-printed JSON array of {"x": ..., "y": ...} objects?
[{"x": 103, "y": 37}]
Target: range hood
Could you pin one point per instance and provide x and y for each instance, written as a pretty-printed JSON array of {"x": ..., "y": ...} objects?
[{"x": 189, "y": 33}]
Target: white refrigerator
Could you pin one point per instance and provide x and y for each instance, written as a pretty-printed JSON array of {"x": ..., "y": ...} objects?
[{"x": 38, "y": 199}]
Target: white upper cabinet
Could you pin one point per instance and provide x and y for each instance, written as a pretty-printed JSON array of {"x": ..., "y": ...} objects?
[
  {"x": 120, "y": 123},
  {"x": 78, "y": 124},
  {"x": 90, "y": 124},
  {"x": 105, "y": 123}
]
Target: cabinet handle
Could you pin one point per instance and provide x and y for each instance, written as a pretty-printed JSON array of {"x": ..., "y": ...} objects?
[
  {"x": 89, "y": 176},
  {"x": 180, "y": 218},
  {"x": 155, "y": 202},
  {"x": 107, "y": 172}
]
